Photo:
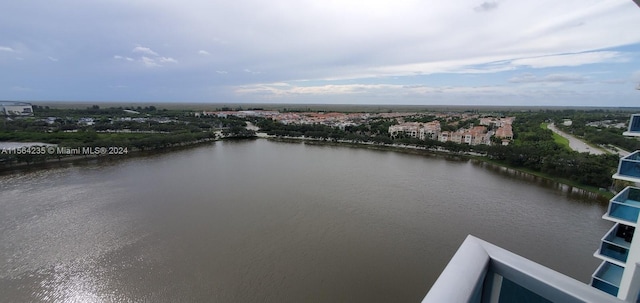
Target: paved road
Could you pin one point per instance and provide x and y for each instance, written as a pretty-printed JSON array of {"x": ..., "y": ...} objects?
[{"x": 575, "y": 143}]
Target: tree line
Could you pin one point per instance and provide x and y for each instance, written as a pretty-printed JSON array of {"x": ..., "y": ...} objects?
[{"x": 533, "y": 147}]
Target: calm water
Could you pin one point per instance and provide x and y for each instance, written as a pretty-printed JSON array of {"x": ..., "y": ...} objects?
[{"x": 259, "y": 221}]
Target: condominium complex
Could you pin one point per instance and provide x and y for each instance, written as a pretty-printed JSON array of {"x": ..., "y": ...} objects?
[
  {"x": 473, "y": 135},
  {"x": 422, "y": 131}
]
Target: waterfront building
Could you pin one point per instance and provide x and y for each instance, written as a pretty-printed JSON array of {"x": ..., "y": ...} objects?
[
  {"x": 473, "y": 136},
  {"x": 9, "y": 108},
  {"x": 422, "y": 131},
  {"x": 618, "y": 273}
]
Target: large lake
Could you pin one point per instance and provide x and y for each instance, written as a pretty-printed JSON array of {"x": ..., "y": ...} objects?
[{"x": 262, "y": 221}]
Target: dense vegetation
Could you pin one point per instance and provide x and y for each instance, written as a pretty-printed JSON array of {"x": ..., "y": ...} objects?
[
  {"x": 149, "y": 130},
  {"x": 601, "y": 134},
  {"x": 534, "y": 147}
]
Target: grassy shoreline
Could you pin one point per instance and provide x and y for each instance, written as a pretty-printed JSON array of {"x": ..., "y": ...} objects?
[{"x": 603, "y": 195}]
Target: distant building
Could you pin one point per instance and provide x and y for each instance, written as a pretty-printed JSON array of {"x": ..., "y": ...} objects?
[
  {"x": 474, "y": 136},
  {"x": 86, "y": 121},
  {"x": 505, "y": 133},
  {"x": 422, "y": 131},
  {"x": 496, "y": 122},
  {"x": 16, "y": 108}
]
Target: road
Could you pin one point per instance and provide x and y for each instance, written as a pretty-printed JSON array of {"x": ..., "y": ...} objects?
[{"x": 575, "y": 143}]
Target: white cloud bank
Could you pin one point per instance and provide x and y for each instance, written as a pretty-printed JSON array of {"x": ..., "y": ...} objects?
[
  {"x": 144, "y": 50},
  {"x": 147, "y": 57},
  {"x": 287, "y": 41}
]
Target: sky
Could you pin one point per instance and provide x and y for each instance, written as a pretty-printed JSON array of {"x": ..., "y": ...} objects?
[{"x": 415, "y": 52}]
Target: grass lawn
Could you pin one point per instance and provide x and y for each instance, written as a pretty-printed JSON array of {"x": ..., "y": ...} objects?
[{"x": 560, "y": 140}]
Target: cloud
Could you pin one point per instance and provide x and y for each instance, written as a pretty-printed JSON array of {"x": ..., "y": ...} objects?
[
  {"x": 148, "y": 57},
  {"x": 149, "y": 62},
  {"x": 486, "y": 6},
  {"x": 246, "y": 70},
  {"x": 288, "y": 90},
  {"x": 167, "y": 60},
  {"x": 144, "y": 50},
  {"x": 6, "y": 49},
  {"x": 572, "y": 59},
  {"x": 377, "y": 42},
  {"x": 118, "y": 57},
  {"x": 545, "y": 95},
  {"x": 531, "y": 78},
  {"x": 52, "y": 59}
]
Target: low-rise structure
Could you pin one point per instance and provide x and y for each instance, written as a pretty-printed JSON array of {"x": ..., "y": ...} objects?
[
  {"x": 422, "y": 131},
  {"x": 496, "y": 122},
  {"x": 473, "y": 136},
  {"x": 9, "y": 108},
  {"x": 505, "y": 133}
]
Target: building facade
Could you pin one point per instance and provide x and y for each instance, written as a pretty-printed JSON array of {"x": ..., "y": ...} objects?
[
  {"x": 618, "y": 274},
  {"x": 16, "y": 108},
  {"x": 422, "y": 131}
]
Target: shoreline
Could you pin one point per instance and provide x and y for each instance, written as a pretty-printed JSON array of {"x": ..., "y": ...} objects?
[
  {"x": 80, "y": 159},
  {"x": 601, "y": 196},
  {"x": 407, "y": 149}
]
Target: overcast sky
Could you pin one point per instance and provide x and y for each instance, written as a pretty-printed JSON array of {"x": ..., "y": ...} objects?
[{"x": 465, "y": 52}]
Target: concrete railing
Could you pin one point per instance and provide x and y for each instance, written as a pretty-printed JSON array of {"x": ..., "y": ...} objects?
[{"x": 479, "y": 272}]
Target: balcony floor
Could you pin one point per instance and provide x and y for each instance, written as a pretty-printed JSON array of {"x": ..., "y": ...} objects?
[
  {"x": 611, "y": 273},
  {"x": 618, "y": 241},
  {"x": 612, "y": 253},
  {"x": 626, "y": 211}
]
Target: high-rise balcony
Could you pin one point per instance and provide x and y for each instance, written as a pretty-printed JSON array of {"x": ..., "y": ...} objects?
[
  {"x": 629, "y": 168},
  {"x": 634, "y": 126},
  {"x": 481, "y": 272},
  {"x": 607, "y": 278},
  {"x": 616, "y": 244},
  {"x": 625, "y": 206}
]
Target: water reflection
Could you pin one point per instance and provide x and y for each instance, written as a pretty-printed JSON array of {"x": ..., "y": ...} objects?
[
  {"x": 273, "y": 222},
  {"x": 577, "y": 194}
]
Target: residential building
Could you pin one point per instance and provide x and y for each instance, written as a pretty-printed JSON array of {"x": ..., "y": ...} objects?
[
  {"x": 618, "y": 274},
  {"x": 496, "y": 122},
  {"x": 473, "y": 136},
  {"x": 505, "y": 132},
  {"x": 9, "y": 108},
  {"x": 422, "y": 131}
]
